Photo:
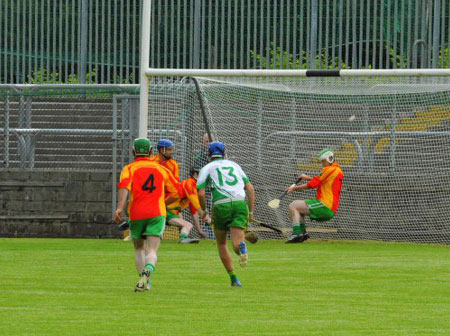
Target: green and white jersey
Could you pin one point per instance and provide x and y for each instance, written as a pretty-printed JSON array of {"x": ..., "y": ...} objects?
[{"x": 226, "y": 178}]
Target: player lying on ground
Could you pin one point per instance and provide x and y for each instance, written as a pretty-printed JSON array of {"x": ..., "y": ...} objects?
[
  {"x": 230, "y": 211},
  {"x": 324, "y": 207},
  {"x": 147, "y": 183},
  {"x": 189, "y": 198}
]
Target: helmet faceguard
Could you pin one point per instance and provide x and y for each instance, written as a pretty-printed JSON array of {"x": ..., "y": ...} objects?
[
  {"x": 165, "y": 144},
  {"x": 326, "y": 155}
]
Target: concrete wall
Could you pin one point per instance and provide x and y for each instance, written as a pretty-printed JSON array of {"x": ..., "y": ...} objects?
[{"x": 56, "y": 204}]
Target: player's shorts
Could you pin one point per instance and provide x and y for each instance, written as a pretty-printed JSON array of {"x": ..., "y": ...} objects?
[
  {"x": 318, "y": 211},
  {"x": 231, "y": 214},
  {"x": 148, "y": 227},
  {"x": 170, "y": 216}
]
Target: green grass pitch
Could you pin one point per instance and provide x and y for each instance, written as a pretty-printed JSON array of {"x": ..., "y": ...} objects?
[{"x": 85, "y": 287}]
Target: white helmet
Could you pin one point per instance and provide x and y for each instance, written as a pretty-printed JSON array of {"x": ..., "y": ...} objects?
[{"x": 326, "y": 155}]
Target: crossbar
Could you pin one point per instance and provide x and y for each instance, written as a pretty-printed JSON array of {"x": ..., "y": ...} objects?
[{"x": 297, "y": 73}]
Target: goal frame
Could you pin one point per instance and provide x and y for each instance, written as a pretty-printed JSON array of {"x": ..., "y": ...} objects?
[
  {"x": 147, "y": 72},
  {"x": 214, "y": 75}
]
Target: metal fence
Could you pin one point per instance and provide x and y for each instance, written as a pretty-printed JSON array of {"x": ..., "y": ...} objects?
[
  {"x": 70, "y": 127},
  {"x": 97, "y": 41}
]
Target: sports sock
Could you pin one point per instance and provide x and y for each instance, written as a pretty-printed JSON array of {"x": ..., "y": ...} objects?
[
  {"x": 233, "y": 276},
  {"x": 183, "y": 235},
  {"x": 150, "y": 267},
  {"x": 296, "y": 229},
  {"x": 302, "y": 227}
]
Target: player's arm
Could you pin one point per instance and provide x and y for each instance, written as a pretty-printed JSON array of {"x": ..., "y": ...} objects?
[
  {"x": 176, "y": 171},
  {"x": 297, "y": 188},
  {"x": 194, "y": 203},
  {"x": 122, "y": 198},
  {"x": 172, "y": 187},
  {"x": 203, "y": 214},
  {"x": 196, "y": 222},
  {"x": 202, "y": 183},
  {"x": 313, "y": 182},
  {"x": 170, "y": 199},
  {"x": 304, "y": 177},
  {"x": 250, "y": 191},
  {"x": 202, "y": 200},
  {"x": 124, "y": 188}
]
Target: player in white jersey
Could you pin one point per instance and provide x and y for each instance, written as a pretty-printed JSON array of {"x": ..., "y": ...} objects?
[{"x": 230, "y": 211}]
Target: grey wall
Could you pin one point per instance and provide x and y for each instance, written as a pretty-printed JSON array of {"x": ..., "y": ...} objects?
[{"x": 56, "y": 204}]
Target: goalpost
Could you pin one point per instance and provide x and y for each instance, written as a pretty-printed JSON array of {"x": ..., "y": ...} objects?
[{"x": 389, "y": 129}]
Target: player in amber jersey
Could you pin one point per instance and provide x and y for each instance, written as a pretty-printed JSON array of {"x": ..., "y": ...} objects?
[
  {"x": 164, "y": 157},
  {"x": 147, "y": 183},
  {"x": 189, "y": 198},
  {"x": 325, "y": 206}
]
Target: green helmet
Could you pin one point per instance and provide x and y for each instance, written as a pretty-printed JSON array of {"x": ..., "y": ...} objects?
[
  {"x": 142, "y": 146},
  {"x": 327, "y": 155}
]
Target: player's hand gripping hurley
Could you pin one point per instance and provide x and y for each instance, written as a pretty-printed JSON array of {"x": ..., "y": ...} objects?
[{"x": 275, "y": 203}]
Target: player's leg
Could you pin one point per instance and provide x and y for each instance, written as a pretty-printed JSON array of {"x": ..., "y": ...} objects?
[
  {"x": 318, "y": 212},
  {"x": 239, "y": 246},
  {"x": 184, "y": 225},
  {"x": 153, "y": 233},
  {"x": 136, "y": 230},
  {"x": 225, "y": 257},
  {"x": 150, "y": 246},
  {"x": 139, "y": 255},
  {"x": 221, "y": 218},
  {"x": 238, "y": 226},
  {"x": 297, "y": 212}
]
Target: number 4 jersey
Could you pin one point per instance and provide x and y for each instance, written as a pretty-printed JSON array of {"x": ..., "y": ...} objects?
[
  {"x": 148, "y": 183},
  {"x": 226, "y": 178}
]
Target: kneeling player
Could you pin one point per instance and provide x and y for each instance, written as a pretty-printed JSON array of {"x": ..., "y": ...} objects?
[{"x": 325, "y": 205}]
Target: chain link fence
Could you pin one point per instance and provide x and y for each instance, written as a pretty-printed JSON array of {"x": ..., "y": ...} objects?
[
  {"x": 98, "y": 41},
  {"x": 60, "y": 127}
]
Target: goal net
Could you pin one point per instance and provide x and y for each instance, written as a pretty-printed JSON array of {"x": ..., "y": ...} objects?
[{"x": 390, "y": 135}]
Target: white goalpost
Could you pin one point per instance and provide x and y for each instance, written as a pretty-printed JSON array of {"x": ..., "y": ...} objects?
[
  {"x": 144, "y": 65},
  {"x": 390, "y": 131}
]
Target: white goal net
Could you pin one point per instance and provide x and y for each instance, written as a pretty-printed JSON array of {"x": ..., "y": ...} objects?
[{"x": 390, "y": 135}]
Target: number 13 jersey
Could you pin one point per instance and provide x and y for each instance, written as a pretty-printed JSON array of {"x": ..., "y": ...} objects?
[
  {"x": 147, "y": 182},
  {"x": 226, "y": 178}
]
